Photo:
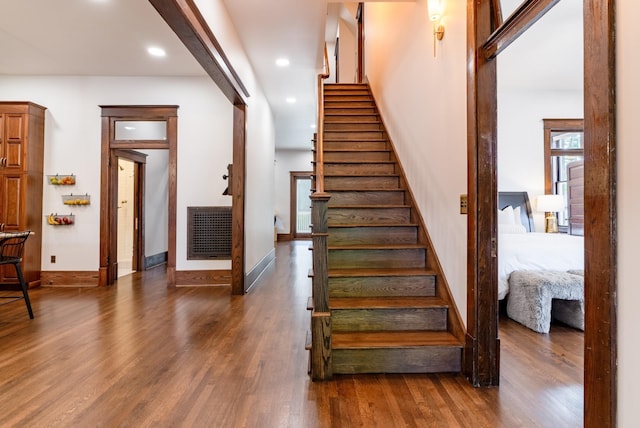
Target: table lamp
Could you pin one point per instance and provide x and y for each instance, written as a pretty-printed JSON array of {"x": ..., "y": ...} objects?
[{"x": 550, "y": 205}]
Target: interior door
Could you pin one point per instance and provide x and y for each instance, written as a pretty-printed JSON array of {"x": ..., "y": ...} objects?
[
  {"x": 575, "y": 193},
  {"x": 300, "y": 217}
]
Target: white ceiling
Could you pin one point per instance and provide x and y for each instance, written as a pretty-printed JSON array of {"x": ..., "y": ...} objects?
[{"x": 110, "y": 37}]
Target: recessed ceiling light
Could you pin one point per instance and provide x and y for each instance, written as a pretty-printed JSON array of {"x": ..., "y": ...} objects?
[
  {"x": 313, "y": 126},
  {"x": 282, "y": 62},
  {"x": 291, "y": 100},
  {"x": 156, "y": 51}
]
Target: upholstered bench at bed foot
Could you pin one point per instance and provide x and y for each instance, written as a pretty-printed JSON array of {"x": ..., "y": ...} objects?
[{"x": 533, "y": 294}]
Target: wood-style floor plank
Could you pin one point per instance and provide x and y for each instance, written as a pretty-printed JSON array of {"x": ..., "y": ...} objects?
[{"x": 140, "y": 354}]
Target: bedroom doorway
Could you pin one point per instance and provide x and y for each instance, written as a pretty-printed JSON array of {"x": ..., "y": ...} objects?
[{"x": 488, "y": 36}]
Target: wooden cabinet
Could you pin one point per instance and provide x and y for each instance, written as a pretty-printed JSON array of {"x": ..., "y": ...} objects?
[{"x": 21, "y": 182}]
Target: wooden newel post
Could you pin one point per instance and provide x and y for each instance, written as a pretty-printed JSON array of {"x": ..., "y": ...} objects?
[{"x": 321, "y": 362}]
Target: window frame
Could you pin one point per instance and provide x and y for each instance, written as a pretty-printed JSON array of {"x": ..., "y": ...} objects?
[{"x": 552, "y": 126}]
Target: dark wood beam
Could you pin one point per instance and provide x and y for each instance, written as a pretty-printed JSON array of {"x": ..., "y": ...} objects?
[
  {"x": 517, "y": 23},
  {"x": 187, "y": 22}
]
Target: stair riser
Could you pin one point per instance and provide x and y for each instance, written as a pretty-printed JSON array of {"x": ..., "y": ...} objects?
[
  {"x": 345, "y": 86},
  {"x": 348, "y": 104},
  {"x": 364, "y": 118},
  {"x": 334, "y": 110},
  {"x": 363, "y": 183},
  {"x": 352, "y": 127},
  {"x": 404, "y": 319},
  {"x": 353, "y": 136},
  {"x": 355, "y": 145},
  {"x": 347, "y": 98},
  {"x": 355, "y": 156},
  {"x": 397, "y": 360},
  {"x": 366, "y": 198},
  {"x": 368, "y": 215},
  {"x": 331, "y": 92},
  {"x": 373, "y": 235},
  {"x": 380, "y": 286},
  {"x": 359, "y": 168},
  {"x": 372, "y": 259}
]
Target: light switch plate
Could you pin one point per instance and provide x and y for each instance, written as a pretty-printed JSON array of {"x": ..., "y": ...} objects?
[{"x": 464, "y": 208}]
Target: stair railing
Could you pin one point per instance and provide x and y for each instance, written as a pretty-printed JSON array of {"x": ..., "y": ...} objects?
[
  {"x": 320, "y": 125},
  {"x": 321, "y": 360}
]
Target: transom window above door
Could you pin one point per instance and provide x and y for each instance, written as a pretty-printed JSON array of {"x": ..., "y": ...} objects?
[{"x": 134, "y": 130}]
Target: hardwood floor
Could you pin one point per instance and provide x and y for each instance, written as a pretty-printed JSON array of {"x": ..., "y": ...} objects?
[{"x": 140, "y": 354}]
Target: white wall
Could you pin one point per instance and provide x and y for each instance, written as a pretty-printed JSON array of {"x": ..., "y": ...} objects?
[
  {"x": 72, "y": 140},
  {"x": 521, "y": 136},
  {"x": 260, "y": 194},
  {"x": 628, "y": 153},
  {"x": 287, "y": 161},
  {"x": 422, "y": 99},
  {"x": 72, "y": 145},
  {"x": 347, "y": 52}
]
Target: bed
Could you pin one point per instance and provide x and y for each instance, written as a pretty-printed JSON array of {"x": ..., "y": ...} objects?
[{"x": 521, "y": 248}]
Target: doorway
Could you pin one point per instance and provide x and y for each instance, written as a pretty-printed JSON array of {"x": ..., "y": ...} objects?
[
  {"x": 130, "y": 200},
  {"x": 487, "y": 36},
  {"x": 124, "y": 129},
  {"x": 300, "y": 214},
  {"x": 126, "y": 218}
]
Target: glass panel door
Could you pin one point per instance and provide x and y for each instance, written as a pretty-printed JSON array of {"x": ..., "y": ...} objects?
[
  {"x": 303, "y": 207},
  {"x": 300, "y": 208}
]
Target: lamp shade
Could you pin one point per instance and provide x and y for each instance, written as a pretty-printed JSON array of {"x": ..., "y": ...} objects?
[
  {"x": 550, "y": 203},
  {"x": 435, "y": 8}
]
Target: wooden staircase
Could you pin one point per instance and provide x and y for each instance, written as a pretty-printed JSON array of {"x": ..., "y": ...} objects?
[{"x": 390, "y": 309}]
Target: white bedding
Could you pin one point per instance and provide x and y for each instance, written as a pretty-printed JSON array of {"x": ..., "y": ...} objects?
[{"x": 536, "y": 251}]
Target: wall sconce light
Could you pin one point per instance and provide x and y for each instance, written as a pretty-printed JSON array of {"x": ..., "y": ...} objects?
[
  {"x": 550, "y": 204},
  {"x": 435, "y": 8}
]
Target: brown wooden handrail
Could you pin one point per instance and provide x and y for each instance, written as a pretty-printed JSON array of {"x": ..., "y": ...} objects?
[{"x": 320, "y": 126}]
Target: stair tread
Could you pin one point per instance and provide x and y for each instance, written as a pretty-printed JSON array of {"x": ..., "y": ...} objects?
[
  {"x": 355, "y": 123},
  {"x": 338, "y": 273},
  {"x": 358, "y": 162},
  {"x": 352, "y": 140},
  {"x": 333, "y": 113},
  {"x": 355, "y": 150},
  {"x": 379, "y": 247},
  {"x": 368, "y": 190},
  {"x": 370, "y": 206},
  {"x": 386, "y": 302},
  {"x": 364, "y": 174},
  {"x": 396, "y": 339},
  {"x": 348, "y": 225}
]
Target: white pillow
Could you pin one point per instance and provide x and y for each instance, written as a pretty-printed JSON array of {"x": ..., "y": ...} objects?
[
  {"x": 505, "y": 215},
  {"x": 511, "y": 228},
  {"x": 516, "y": 215}
]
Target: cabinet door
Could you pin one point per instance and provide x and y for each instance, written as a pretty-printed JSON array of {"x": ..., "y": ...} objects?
[
  {"x": 13, "y": 140},
  {"x": 11, "y": 186},
  {"x": 11, "y": 206}
]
